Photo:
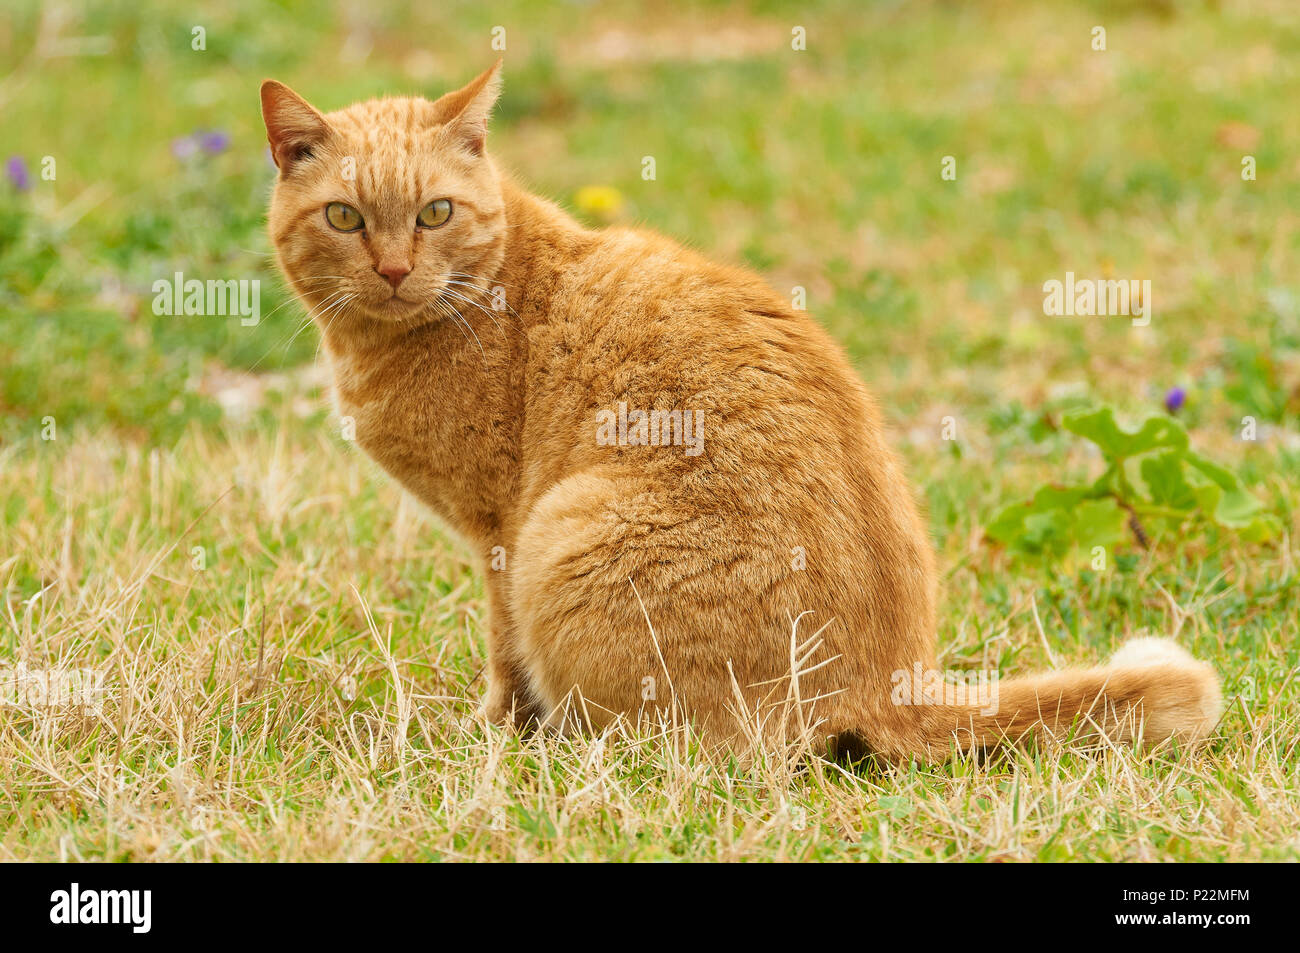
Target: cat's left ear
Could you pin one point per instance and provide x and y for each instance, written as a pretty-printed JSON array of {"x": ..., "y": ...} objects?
[{"x": 470, "y": 107}]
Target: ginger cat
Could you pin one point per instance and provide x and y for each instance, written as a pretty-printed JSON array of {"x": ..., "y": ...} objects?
[{"x": 679, "y": 489}]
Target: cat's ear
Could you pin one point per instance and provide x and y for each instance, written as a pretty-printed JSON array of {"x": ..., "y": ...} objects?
[
  {"x": 469, "y": 108},
  {"x": 293, "y": 127}
]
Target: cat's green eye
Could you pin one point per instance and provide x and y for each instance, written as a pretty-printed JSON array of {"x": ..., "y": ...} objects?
[
  {"x": 434, "y": 214},
  {"x": 343, "y": 217}
]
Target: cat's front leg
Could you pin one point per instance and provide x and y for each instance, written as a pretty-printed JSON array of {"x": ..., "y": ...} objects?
[{"x": 510, "y": 700}]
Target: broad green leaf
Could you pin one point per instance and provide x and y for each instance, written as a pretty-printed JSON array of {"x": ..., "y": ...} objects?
[
  {"x": 1058, "y": 519},
  {"x": 1152, "y": 470},
  {"x": 1233, "y": 506},
  {"x": 1024, "y": 525},
  {"x": 1220, "y": 475},
  {"x": 1100, "y": 427},
  {"x": 1165, "y": 478},
  {"x": 1098, "y": 523}
]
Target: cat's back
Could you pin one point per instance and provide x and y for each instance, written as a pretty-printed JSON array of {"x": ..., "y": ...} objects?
[
  {"x": 789, "y": 448},
  {"x": 640, "y": 325},
  {"x": 638, "y": 316}
]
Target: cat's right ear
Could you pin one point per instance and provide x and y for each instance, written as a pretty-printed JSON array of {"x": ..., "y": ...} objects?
[{"x": 293, "y": 127}]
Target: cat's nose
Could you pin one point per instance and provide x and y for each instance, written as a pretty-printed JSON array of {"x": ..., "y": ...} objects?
[{"x": 394, "y": 272}]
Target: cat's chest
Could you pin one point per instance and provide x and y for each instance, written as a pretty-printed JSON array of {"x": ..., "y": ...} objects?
[
  {"x": 399, "y": 430},
  {"x": 425, "y": 439}
]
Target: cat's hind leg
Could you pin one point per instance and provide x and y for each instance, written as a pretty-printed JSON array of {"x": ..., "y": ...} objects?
[
  {"x": 583, "y": 640},
  {"x": 615, "y": 590}
]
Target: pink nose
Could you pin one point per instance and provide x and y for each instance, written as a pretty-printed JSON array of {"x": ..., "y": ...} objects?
[{"x": 393, "y": 272}]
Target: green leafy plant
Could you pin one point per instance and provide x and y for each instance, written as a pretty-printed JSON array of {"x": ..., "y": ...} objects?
[{"x": 1153, "y": 479}]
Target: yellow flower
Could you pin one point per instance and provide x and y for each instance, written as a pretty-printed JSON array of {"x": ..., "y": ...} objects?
[{"x": 601, "y": 201}]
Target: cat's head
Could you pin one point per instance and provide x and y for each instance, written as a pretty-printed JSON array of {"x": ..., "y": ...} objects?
[{"x": 388, "y": 209}]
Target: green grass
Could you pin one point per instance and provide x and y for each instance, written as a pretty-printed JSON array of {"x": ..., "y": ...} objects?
[{"x": 310, "y": 692}]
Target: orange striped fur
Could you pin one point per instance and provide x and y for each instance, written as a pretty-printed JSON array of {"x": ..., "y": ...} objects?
[{"x": 624, "y": 580}]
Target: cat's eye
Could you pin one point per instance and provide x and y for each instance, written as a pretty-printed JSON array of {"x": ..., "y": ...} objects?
[
  {"x": 434, "y": 214},
  {"x": 343, "y": 217}
]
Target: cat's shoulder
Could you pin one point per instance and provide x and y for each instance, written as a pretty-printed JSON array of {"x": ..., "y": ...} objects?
[{"x": 669, "y": 263}]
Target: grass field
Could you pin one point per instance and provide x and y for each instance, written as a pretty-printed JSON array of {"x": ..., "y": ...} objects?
[{"x": 291, "y": 648}]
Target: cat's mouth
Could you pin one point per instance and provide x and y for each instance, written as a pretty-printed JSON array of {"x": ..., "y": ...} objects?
[{"x": 396, "y": 304}]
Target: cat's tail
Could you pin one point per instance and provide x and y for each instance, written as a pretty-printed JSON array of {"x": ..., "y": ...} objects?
[{"x": 1151, "y": 690}]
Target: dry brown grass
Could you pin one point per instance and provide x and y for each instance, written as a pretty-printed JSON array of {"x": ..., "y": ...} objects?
[{"x": 311, "y": 694}]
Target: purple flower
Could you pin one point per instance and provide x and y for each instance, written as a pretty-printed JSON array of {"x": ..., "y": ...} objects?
[
  {"x": 213, "y": 141},
  {"x": 209, "y": 141},
  {"x": 1175, "y": 399},
  {"x": 16, "y": 172},
  {"x": 184, "y": 147}
]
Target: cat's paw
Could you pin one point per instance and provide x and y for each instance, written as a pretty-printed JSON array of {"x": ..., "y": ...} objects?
[
  {"x": 506, "y": 709},
  {"x": 495, "y": 707}
]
